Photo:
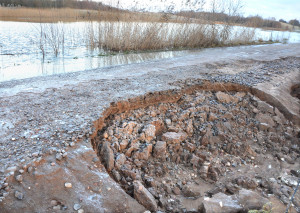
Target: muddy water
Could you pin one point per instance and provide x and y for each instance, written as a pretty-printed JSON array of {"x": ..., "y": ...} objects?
[{"x": 21, "y": 56}]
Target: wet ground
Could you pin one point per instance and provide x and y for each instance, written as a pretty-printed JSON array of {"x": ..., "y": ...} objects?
[{"x": 47, "y": 122}]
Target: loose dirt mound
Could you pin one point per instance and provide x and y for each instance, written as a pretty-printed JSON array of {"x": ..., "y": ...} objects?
[{"x": 173, "y": 156}]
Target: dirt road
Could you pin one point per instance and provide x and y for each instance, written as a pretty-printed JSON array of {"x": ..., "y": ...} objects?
[{"x": 47, "y": 122}]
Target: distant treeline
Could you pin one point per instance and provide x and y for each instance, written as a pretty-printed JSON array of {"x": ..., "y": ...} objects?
[
  {"x": 251, "y": 21},
  {"x": 56, "y": 4}
]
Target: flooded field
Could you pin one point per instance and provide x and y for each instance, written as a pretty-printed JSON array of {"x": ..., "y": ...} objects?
[{"x": 24, "y": 52}]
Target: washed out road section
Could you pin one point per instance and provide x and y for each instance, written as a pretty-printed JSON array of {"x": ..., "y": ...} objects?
[{"x": 45, "y": 117}]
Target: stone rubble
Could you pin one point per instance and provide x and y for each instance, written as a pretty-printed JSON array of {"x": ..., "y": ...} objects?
[{"x": 160, "y": 153}]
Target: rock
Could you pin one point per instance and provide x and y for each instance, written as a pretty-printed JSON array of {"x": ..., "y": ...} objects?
[
  {"x": 144, "y": 154},
  {"x": 220, "y": 203},
  {"x": 149, "y": 132},
  {"x": 108, "y": 156},
  {"x": 190, "y": 147},
  {"x": 19, "y": 178},
  {"x": 200, "y": 98},
  {"x": 11, "y": 169},
  {"x": 68, "y": 185},
  {"x": 130, "y": 173},
  {"x": 53, "y": 202},
  {"x": 266, "y": 119},
  {"x": 144, "y": 197},
  {"x": 133, "y": 147},
  {"x": 228, "y": 115},
  {"x": 280, "y": 115},
  {"x": 251, "y": 200},
  {"x": 174, "y": 137},
  {"x": 19, "y": 195},
  {"x": 213, "y": 173},
  {"x": 76, "y": 206},
  {"x": 176, "y": 191},
  {"x": 203, "y": 116},
  {"x": 116, "y": 175},
  {"x": 240, "y": 95},
  {"x": 35, "y": 154},
  {"x": 295, "y": 173},
  {"x": 246, "y": 182},
  {"x": 264, "y": 107},
  {"x": 58, "y": 156},
  {"x": 150, "y": 182},
  {"x": 129, "y": 127},
  {"x": 212, "y": 117},
  {"x": 232, "y": 188},
  {"x": 159, "y": 126},
  {"x": 203, "y": 171},
  {"x": 80, "y": 211},
  {"x": 120, "y": 160},
  {"x": 190, "y": 191},
  {"x": 248, "y": 151},
  {"x": 160, "y": 149},
  {"x": 264, "y": 127},
  {"x": 206, "y": 139},
  {"x": 225, "y": 98},
  {"x": 123, "y": 144},
  {"x": 58, "y": 207},
  {"x": 289, "y": 180},
  {"x": 190, "y": 128},
  {"x": 194, "y": 160}
]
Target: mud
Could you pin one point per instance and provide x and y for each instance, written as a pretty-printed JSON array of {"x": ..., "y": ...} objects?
[{"x": 50, "y": 132}]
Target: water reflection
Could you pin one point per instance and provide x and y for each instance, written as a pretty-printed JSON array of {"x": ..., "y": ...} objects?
[
  {"x": 20, "y": 57},
  {"x": 60, "y": 65}
]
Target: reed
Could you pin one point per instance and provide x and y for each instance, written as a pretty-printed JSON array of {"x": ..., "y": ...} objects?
[
  {"x": 123, "y": 31},
  {"x": 141, "y": 36}
]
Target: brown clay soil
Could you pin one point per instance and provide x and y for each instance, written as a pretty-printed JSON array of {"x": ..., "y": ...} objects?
[{"x": 192, "y": 134}]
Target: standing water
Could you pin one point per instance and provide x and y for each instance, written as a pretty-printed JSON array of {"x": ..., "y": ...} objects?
[{"x": 24, "y": 52}]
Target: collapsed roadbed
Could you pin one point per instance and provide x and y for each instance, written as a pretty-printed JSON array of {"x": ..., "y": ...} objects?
[
  {"x": 182, "y": 151},
  {"x": 183, "y": 138}
]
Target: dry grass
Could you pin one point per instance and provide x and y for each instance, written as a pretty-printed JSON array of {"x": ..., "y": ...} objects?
[
  {"x": 289, "y": 27},
  {"x": 40, "y": 15},
  {"x": 136, "y": 36},
  {"x": 126, "y": 31},
  {"x": 72, "y": 15}
]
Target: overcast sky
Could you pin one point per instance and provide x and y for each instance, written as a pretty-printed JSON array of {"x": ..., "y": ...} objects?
[{"x": 285, "y": 9}]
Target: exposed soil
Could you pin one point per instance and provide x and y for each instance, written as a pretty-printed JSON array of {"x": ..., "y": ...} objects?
[
  {"x": 203, "y": 144},
  {"x": 52, "y": 127}
]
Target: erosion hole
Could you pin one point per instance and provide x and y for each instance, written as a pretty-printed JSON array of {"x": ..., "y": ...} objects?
[
  {"x": 295, "y": 91},
  {"x": 193, "y": 145}
]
